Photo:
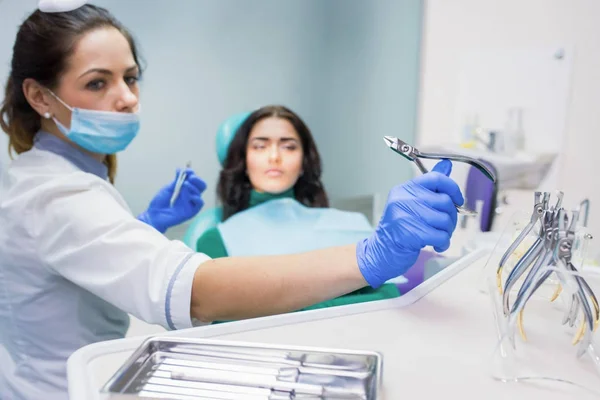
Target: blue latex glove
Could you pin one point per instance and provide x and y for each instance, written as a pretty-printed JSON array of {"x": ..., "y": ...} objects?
[
  {"x": 162, "y": 216},
  {"x": 418, "y": 213}
]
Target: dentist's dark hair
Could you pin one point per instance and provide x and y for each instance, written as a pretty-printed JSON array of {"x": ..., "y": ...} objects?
[
  {"x": 234, "y": 187},
  {"x": 44, "y": 43}
]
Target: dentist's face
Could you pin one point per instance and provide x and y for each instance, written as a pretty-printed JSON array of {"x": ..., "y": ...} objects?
[
  {"x": 273, "y": 156},
  {"x": 101, "y": 74}
]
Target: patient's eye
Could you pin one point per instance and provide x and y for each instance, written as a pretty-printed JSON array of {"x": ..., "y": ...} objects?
[
  {"x": 290, "y": 146},
  {"x": 131, "y": 80},
  {"x": 258, "y": 145}
]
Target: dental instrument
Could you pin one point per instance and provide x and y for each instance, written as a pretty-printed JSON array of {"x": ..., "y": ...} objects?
[
  {"x": 539, "y": 207},
  {"x": 180, "y": 368},
  {"x": 179, "y": 184},
  {"x": 533, "y": 254},
  {"x": 412, "y": 154},
  {"x": 550, "y": 253}
]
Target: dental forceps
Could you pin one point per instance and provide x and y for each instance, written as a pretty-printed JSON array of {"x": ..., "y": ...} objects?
[
  {"x": 546, "y": 258},
  {"x": 412, "y": 154},
  {"x": 583, "y": 211},
  {"x": 558, "y": 234},
  {"x": 539, "y": 207},
  {"x": 564, "y": 252},
  {"x": 534, "y": 255},
  {"x": 543, "y": 251},
  {"x": 539, "y": 254}
]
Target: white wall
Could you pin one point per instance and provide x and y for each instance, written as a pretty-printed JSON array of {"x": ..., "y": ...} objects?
[
  {"x": 348, "y": 67},
  {"x": 453, "y": 27}
]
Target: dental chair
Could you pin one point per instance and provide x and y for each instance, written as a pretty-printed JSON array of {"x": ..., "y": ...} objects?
[{"x": 208, "y": 219}]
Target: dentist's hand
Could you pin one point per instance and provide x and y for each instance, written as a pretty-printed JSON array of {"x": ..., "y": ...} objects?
[
  {"x": 162, "y": 216},
  {"x": 418, "y": 213}
]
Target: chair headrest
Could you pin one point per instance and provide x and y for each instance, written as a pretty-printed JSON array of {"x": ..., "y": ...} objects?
[{"x": 226, "y": 132}]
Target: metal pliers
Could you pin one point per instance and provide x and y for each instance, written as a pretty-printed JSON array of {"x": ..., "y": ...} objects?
[
  {"x": 564, "y": 253},
  {"x": 412, "y": 154},
  {"x": 539, "y": 208},
  {"x": 535, "y": 278},
  {"x": 537, "y": 256},
  {"x": 559, "y": 235}
]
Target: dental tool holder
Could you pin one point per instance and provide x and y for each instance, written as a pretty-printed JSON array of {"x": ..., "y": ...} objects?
[
  {"x": 543, "y": 301},
  {"x": 178, "y": 368}
]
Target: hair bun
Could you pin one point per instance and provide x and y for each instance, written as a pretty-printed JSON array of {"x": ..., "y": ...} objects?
[{"x": 56, "y": 6}]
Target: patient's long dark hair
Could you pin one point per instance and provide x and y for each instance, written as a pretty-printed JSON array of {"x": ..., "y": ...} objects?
[{"x": 234, "y": 187}]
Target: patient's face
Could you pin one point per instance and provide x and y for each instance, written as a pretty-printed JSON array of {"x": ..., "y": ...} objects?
[{"x": 273, "y": 156}]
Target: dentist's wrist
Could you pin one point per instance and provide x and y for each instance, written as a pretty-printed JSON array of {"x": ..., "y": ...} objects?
[{"x": 366, "y": 264}]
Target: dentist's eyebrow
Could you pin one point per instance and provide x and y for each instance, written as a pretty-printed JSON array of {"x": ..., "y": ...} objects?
[{"x": 105, "y": 71}]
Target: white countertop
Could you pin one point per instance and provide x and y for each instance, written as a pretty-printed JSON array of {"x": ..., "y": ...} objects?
[{"x": 434, "y": 346}]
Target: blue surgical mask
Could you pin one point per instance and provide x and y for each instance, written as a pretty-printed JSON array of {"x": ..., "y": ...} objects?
[{"x": 102, "y": 132}]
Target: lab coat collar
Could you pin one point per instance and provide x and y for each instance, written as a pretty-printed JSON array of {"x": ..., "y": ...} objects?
[{"x": 48, "y": 142}]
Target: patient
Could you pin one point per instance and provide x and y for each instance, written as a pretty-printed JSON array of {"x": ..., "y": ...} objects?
[{"x": 274, "y": 201}]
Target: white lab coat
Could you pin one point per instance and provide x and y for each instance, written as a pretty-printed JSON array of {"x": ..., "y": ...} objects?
[{"x": 73, "y": 262}]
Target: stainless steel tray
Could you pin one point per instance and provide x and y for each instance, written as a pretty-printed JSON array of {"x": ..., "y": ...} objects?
[{"x": 178, "y": 368}]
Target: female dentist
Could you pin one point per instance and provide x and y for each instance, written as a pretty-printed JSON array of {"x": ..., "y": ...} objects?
[{"x": 74, "y": 261}]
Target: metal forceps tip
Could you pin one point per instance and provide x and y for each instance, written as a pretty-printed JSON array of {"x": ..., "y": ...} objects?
[{"x": 412, "y": 154}]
